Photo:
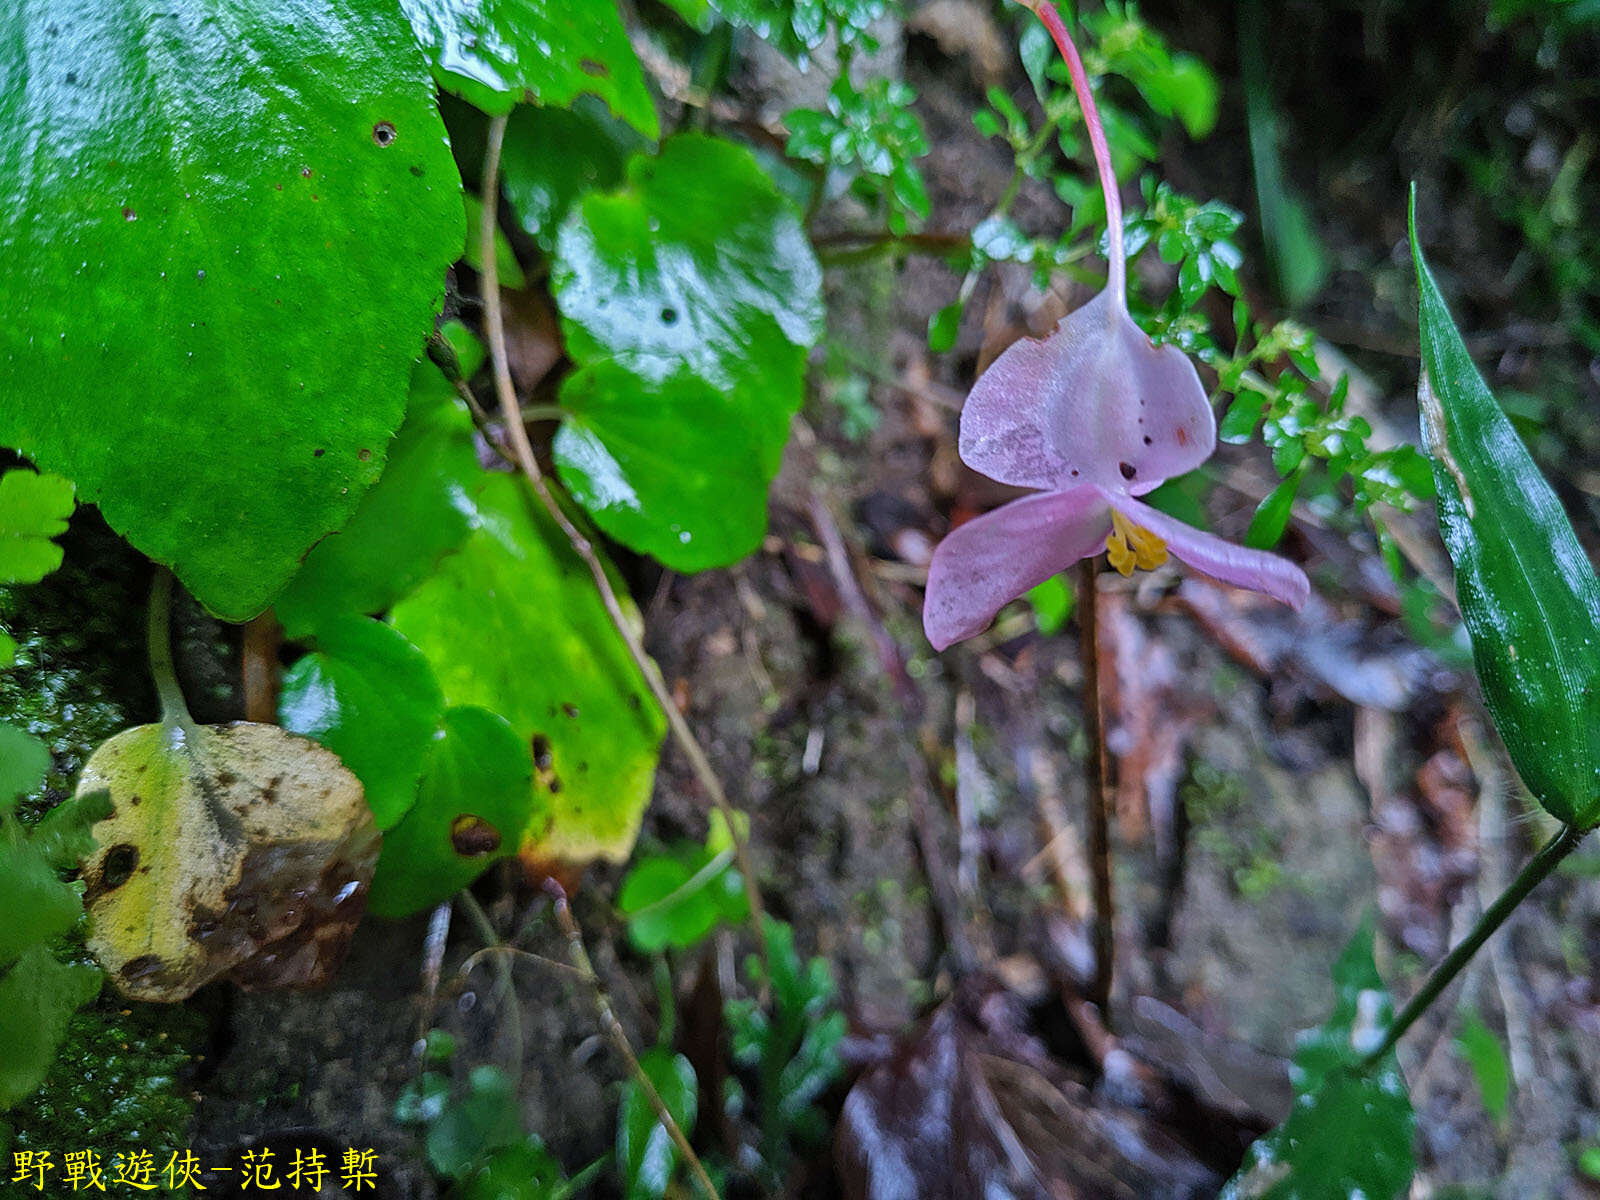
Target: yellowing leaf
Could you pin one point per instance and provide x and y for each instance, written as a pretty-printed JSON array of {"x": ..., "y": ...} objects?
[{"x": 236, "y": 850}]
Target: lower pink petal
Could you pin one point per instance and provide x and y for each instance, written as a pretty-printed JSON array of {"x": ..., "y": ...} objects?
[
  {"x": 1254, "y": 569},
  {"x": 991, "y": 560}
]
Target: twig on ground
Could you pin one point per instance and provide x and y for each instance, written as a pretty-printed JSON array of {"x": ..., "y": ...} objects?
[
  {"x": 494, "y": 324},
  {"x": 619, "y": 1037}
]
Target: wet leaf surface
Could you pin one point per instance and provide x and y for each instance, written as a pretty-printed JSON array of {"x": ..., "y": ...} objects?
[
  {"x": 497, "y": 53},
  {"x": 646, "y": 1153},
  {"x": 368, "y": 695},
  {"x": 512, "y": 623},
  {"x": 688, "y": 300},
  {"x": 257, "y": 428},
  {"x": 553, "y": 157},
  {"x": 1527, "y": 591},
  {"x": 239, "y": 851}
]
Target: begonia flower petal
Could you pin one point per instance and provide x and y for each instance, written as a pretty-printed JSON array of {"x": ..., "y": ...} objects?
[
  {"x": 1256, "y": 570},
  {"x": 991, "y": 560},
  {"x": 1095, "y": 402}
]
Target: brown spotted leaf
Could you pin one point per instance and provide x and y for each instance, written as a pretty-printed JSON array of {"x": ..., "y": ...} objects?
[{"x": 231, "y": 850}]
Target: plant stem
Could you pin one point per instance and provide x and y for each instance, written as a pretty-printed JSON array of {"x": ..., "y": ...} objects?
[
  {"x": 1099, "y": 806},
  {"x": 174, "y": 711},
  {"x": 508, "y": 984},
  {"x": 619, "y": 1037},
  {"x": 494, "y": 321},
  {"x": 1533, "y": 874},
  {"x": 1117, "y": 274}
]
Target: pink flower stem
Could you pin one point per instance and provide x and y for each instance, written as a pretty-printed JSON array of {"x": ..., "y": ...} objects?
[{"x": 1117, "y": 270}]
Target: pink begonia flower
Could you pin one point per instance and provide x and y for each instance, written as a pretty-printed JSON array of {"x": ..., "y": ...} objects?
[{"x": 1094, "y": 416}]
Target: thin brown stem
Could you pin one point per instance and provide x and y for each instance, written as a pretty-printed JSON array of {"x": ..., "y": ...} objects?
[
  {"x": 507, "y": 983},
  {"x": 522, "y": 449},
  {"x": 619, "y": 1038},
  {"x": 1099, "y": 802}
]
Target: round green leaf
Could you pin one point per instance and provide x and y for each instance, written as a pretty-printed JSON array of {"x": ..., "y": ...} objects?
[
  {"x": 472, "y": 806},
  {"x": 494, "y": 53},
  {"x": 512, "y": 623},
  {"x": 227, "y": 228},
  {"x": 420, "y": 510},
  {"x": 691, "y": 297},
  {"x": 370, "y": 696}
]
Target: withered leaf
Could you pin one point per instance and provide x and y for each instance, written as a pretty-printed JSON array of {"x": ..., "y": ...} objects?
[{"x": 231, "y": 850}]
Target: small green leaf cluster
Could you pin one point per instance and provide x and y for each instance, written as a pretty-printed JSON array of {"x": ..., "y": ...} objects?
[
  {"x": 789, "y": 1052},
  {"x": 33, "y": 511},
  {"x": 872, "y": 136},
  {"x": 678, "y": 896},
  {"x": 472, "y": 1133},
  {"x": 796, "y": 27},
  {"x": 38, "y": 992},
  {"x": 647, "y": 1156}
]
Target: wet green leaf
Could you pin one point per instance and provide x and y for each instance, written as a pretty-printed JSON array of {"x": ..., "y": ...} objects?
[
  {"x": 476, "y": 1124},
  {"x": 1526, "y": 590},
  {"x": 497, "y": 53},
  {"x": 1349, "y": 1132},
  {"x": 420, "y": 510},
  {"x": 370, "y": 696},
  {"x": 513, "y": 623},
  {"x": 646, "y": 1153},
  {"x": 688, "y": 300},
  {"x": 525, "y": 1170},
  {"x": 472, "y": 808},
  {"x": 270, "y": 185},
  {"x": 553, "y": 157}
]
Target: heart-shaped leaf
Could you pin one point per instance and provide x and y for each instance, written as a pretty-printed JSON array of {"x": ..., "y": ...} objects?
[
  {"x": 1527, "y": 592},
  {"x": 512, "y": 623},
  {"x": 689, "y": 298},
  {"x": 472, "y": 808},
  {"x": 237, "y": 850},
  {"x": 370, "y": 696},
  {"x": 227, "y": 228},
  {"x": 497, "y": 53}
]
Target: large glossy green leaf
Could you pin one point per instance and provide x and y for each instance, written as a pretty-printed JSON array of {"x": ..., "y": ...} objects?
[
  {"x": 1350, "y": 1130},
  {"x": 227, "y": 228},
  {"x": 495, "y": 53},
  {"x": 512, "y": 623},
  {"x": 370, "y": 696},
  {"x": 1527, "y": 592},
  {"x": 688, "y": 299},
  {"x": 646, "y": 1153},
  {"x": 552, "y": 157},
  {"x": 420, "y": 510},
  {"x": 473, "y": 804}
]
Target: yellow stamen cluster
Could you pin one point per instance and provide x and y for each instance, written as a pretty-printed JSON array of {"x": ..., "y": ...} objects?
[{"x": 1130, "y": 546}]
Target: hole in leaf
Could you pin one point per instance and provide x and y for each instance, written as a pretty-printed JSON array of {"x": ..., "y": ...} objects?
[
  {"x": 473, "y": 837},
  {"x": 1128, "y": 470},
  {"x": 669, "y": 316},
  {"x": 590, "y": 67},
  {"x": 121, "y": 860},
  {"x": 383, "y": 133}
]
